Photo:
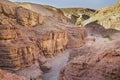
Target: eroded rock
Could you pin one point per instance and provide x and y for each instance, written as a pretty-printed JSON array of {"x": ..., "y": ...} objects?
[
  {"x": 76, "y": 37},
  {"x": 4, "y": 75},
  {"x": 31, "y": 73},
  {"x": 97, "y": 64},
  {"x": 24, "y": 37}
]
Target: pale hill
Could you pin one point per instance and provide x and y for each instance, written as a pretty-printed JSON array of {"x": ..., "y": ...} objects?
[
  {"x": 44, "y": 10},
  {"x": 108, "y": 17},
  {"x": 77, "y": 15}
]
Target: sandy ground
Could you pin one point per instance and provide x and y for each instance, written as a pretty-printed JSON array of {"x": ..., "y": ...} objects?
[{"x": 57, "y": 63}]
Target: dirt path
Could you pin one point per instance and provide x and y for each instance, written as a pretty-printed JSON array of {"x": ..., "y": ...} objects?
[{"x": 57, "y": 64}]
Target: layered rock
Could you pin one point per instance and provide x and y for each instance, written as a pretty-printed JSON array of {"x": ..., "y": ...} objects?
[
  {"x": 4, "y": 75},
  {"x": 77, "y": 15},
  {"x": 76, "y": 37},
  {"x": 26, "y": 35},
  {"x": 45, "y": 10},
  {"x": 27, "y": 18},
  {"x": 31, "y": 73},
  {"x": 19, "y": 50},
  {"x": 108, "y": 17},
  {"x": 96, "y": 64},
  {"x": 23, "y": 16}
]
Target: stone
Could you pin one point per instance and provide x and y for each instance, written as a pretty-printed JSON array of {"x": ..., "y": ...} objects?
[
  {"x": 4, "y": 75},
  {"x": 27, "y": 18},
  {"x": 108, "y": 17},
  {"x": 45, "y": 68},
  {"x": 96, "y": 64},
  {"x": 27, "y": 35},
  {"x": 31, "y": 73},
  {"x": 76, "y": 37},
  {"x": 42, "y": 60}
]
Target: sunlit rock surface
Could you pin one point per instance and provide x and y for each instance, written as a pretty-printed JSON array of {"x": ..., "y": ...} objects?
[
  {"x": 26, "y": 35},
  {"x": 108, "y": 17}
]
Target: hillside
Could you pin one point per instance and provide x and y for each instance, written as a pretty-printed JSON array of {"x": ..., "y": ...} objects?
[
  {"x": 109, "y": 17},
  {"x": 44, "y": 10},
  {"x": 77, "y": 15}
]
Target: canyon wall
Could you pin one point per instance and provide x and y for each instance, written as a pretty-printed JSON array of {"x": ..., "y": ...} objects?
[{"x": 26, "y": 35}]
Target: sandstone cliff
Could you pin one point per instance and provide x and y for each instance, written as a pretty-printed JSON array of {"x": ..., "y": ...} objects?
[
  {"x": 26, "y": 35},
  {"x": 45, "y": 10},
  {"x": 108, "y": 17},
  {"x": 94, "y": 64},
  {"x": 73, "y": 15}
]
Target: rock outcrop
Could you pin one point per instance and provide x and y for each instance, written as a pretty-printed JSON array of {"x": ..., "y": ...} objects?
[
  {"x": 95, "y": 29},
  {"x": 31, "y": 73},
  {"x": 4, "y": 75},
  {"x": 27, "y": 35},
  {"x": 108, "y": 17},
  {"x": 96, "y": 64},
  {"x": 77, "y": 15},
  {"x": 76, "y": 37},
  {"x": 23, "y": 16},
  {"x": 45, "y": 10}
]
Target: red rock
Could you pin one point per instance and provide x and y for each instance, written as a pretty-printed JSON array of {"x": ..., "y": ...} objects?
[
  {"x": 4, "y": 75},
  {"x": 76, "y": 37},
  {"x": 26, "y": 35},
  {"x": 100, "y": 64}
]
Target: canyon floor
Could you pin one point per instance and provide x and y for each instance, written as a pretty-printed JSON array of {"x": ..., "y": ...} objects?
[{"x": 56, "y": 64}]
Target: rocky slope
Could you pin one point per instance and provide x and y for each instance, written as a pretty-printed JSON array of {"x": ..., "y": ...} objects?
[
  {"x": 26, "y": 35},
  {"x": 4, "y": 75},
  {"x": 95, "y": 29},
  {"x": 45, "y": 10},
  {"x": 108, "y": 17},
  {"x": 74, "y": 15},
  {"x": 95, "y": 64},
  {"x": 77, "y": 15}
]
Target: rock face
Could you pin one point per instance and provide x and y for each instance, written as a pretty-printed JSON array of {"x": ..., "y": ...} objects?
[
  {"x": 27, "y": 18},
  {"x": 77, "y": 15},
  {"x": 22, "y": 16},
  {"x": 4, "y": 75},
  {"x": 26, "y": 35},
  {"x": 78, "y": 37},
  {"x": 95, "y": 29},
  {"x": 108, "y": 17},
  {"x": 31, "y": 73},
  {"x": 96, "y": 64},
  {"x": 45, "y": 10}
]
